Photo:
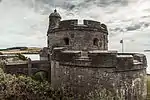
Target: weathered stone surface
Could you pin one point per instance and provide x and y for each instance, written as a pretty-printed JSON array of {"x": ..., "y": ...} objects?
[
  {"x": 78, "y": 40},
  {"x": 27, "y": 68},
  {"x": 89, "y": 36},
  {"x": 99, "y": 74}
]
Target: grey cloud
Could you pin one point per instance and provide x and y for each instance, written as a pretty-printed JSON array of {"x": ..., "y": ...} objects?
[
  {"x": 45, "y": 6},
  {"x": 132, "y": 27},
  {"x": 147, "y": 16},
  {"x": 104, "y": 3},
  {"x": 115, "y": 29},
  {"x": 137, "y": 26},
  {"x": 75, "y": 4}
]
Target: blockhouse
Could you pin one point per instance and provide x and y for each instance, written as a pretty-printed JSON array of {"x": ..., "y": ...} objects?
[{"x": 82, "y": 65}]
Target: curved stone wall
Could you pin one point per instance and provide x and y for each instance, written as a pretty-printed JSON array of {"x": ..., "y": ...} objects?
[
  {"x": 105, "y": 75},
  {"x": 86, "y": 83},
  {"x": 79, "y": 40}
]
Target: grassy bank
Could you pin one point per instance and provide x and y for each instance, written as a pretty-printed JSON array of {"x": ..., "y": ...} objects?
[{"x": 27, "y": 50}]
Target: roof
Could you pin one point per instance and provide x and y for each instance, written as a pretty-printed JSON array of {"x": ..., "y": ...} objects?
[
  {"x": 71, "y": 51},
  {"x": 55, "y": 14},
  {"x": 102, "y": 51},
  {"x": 126, "y": 56}
]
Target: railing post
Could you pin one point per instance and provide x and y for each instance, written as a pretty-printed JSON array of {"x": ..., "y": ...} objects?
[
  {"x": 49, "y": 62},
  {"x": 29, "y": 66}
]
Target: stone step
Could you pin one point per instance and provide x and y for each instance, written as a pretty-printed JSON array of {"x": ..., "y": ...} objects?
[
  {"x": 84, "y": 58},
  {"x": 84, "y": 53}
]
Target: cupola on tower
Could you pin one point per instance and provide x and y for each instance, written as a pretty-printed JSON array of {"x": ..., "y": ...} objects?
[{"x": 54, "y": 20}]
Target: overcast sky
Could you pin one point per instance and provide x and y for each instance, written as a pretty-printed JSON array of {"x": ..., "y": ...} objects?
[{"x": 25, "y": 22}]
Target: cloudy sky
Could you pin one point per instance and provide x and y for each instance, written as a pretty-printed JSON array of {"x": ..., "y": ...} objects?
[{"x": 24, "y": 22}]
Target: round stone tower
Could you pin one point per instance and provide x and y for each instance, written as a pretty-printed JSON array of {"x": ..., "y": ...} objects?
[{"x": 91, "y": 35}]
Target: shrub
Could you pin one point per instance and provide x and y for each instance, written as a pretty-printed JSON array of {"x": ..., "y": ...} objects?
[
  {"x": 40, "y": 76},
  {"x": 1, "y": 53},
  {"x": 21, "y": 57},
  {"x": 25, "y": 88}
]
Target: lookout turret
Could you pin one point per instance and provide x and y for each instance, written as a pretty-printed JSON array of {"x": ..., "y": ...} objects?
[{"x": 54, "y": 20}]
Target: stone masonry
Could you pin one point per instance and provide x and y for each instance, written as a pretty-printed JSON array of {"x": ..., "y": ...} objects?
[{"x": 82, "y": 65}]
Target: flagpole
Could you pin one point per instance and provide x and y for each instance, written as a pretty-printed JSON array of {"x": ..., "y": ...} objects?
[
  {"x": 122, "y": 46},
  {"x": 122, "y": 41}
]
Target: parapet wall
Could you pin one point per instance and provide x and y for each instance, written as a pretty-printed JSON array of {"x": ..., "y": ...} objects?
[
  {"x": 91, "y": 23},
  {"x": 73, "y": 24},
  {"x": 91, "y": 75},
  {"x": 101, "y": 59},
  {"x": 68, "y": 23},
  {"x": 27, "y": 67}
]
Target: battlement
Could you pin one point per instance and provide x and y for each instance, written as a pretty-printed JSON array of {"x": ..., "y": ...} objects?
[
  {"x": 101, "y": 59},
  {"x": 91, "y": 23},
  {"x": 68, "y": 23},
  {"x": 88, "y": 25}
]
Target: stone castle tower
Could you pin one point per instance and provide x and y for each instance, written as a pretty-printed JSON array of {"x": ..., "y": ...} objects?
[
  {"x": 82, "y": 65},
  {"x": 92, "y": 35}
]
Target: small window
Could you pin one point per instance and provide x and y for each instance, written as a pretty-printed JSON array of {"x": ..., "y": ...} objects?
[
  {"x": 66, "y": 40},
  {"x": 95, "y": 42},
  {"x": 48, "y": 41},
  {"x": 72, "y": 23},
  {"x": 72, "y": 35}
]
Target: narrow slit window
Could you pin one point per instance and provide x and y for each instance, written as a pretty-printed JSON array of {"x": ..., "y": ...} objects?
[
  {"x": 66, "y": 40},
  {"x": 95, "y": 42}
]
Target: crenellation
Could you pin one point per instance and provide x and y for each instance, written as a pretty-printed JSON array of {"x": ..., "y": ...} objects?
[
  {"x": 91, "y": 23},
  {"x": 124, "y": 62},
  {"x": 88, "y": 25},
  {"x": 68, "y": 23},
  {"x": 140, "y": 58},
  {"x": 97, "y": 58},
  {"x": 104, "y": 27},
  {"x": 103, "y": 58},
  {"x": 59, "y": 54}
]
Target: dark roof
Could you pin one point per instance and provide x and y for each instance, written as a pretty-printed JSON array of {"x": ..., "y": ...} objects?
[{"x": 55, "y": 14}]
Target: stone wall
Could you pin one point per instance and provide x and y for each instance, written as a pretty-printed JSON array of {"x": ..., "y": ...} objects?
[
  {"x": 27, "y": 68},
  {"x": 102, "y": 75},
  {"x": 78, "y": 40},
  {"x": 44, "y": 53}
]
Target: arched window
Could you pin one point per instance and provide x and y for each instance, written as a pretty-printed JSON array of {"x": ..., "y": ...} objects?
[
  {"x": 95, "y": 42},
  {"x": 66, "y": 40}
]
